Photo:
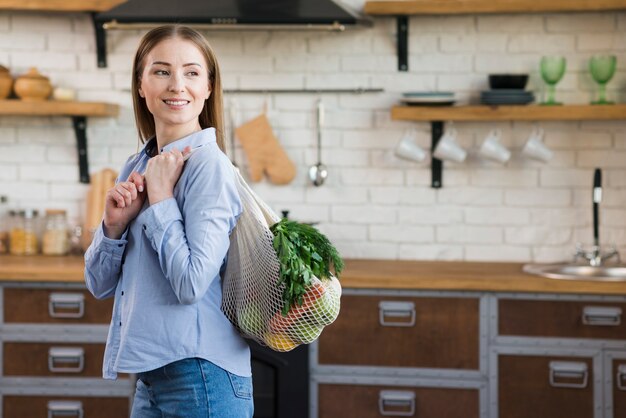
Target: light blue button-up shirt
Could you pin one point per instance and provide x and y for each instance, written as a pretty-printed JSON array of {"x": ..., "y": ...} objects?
[{"x": 165, "y": 270}]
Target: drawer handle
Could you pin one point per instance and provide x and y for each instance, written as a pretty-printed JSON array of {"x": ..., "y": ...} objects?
[
  {"x": 568, "y": 374},
  {"x": 396, "y": 314},
  {"x": 397, "y": 403},
  {"x": 621, "y": 377},
  {"x": 66, "y": 359},
  {"x": 65, "y": 409},
  {"x": 66, "y": 305},
  {"x": 602, "y": 316}
]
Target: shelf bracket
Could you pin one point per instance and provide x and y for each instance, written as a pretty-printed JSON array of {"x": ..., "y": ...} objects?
[
  {"x": 101, "y": 42},
  {"x": 402, "y": 33},
  {"x": 436, "y": 165},
  {"x": 80, "y": 129}
]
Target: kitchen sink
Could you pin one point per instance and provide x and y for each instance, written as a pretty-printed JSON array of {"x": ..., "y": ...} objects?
[{"x": 569, "y": 271}]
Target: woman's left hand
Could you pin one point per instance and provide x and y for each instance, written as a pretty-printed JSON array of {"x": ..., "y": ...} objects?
[{"x": 162, "y": 173}]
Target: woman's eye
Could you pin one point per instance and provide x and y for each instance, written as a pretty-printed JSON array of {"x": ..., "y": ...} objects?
[
  {"x": 161, "y": 72},
  {"x": 192, "y": 73}
]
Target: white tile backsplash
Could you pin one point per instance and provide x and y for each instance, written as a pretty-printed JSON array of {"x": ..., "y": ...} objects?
[{"x": 373, "y": 205}]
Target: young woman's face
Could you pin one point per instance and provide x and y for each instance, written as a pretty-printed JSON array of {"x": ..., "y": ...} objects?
[{"x": 175, "y": 85}]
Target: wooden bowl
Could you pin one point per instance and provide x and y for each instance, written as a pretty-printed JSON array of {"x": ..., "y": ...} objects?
[
  {"x": 33, "y": 86},
  {"x": 6, "y": 82}
]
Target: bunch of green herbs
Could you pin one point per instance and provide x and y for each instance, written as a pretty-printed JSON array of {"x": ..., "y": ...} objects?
[{"x": 303, "y": 252}]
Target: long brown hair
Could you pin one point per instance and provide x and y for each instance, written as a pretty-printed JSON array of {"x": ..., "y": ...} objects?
[{"x": 212, "y": 114}]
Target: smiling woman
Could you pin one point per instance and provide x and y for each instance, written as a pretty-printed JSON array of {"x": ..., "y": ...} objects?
[{"x": 164, "y": 239}]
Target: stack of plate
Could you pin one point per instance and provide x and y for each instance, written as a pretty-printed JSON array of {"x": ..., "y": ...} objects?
[
  {"x": 506, "y": 97},
  {"x": 428, "y": 98}
]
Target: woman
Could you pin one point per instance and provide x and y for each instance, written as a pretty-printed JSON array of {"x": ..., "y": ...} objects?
[{"x": 164, "y": 238}]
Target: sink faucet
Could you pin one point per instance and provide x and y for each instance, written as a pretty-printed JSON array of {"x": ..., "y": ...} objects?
[{"x": 596, "y": 256}]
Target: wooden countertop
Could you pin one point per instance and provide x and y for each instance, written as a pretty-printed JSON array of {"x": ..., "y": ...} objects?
[{"x": 363, "y": 274}]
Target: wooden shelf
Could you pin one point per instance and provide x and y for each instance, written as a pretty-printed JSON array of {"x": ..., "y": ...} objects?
[
  {"x": 61, "y": 5},
  {"x": 513, "y": 113},
  {"x": 56, "y": 108},
  {"x": 431, "y": 7},
  {"x": 78, "y": 111}
]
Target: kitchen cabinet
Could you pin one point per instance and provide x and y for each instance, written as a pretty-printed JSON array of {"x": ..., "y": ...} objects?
[
  {"x": 402, "y": 353},
  {"x": 52, "y": 339},
  {"x": 557, "y": 355},
  {"x": 78, "y": 111}
]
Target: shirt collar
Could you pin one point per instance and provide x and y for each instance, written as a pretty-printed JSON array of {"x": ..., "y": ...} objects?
[{"x": 195, "y": 140}]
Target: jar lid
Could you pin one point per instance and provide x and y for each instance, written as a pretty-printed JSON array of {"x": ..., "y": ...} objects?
[
  {"x": 29, "y": 213},
  {"x": 50, "y": 212},
  {"x": 33, "y": 74}
]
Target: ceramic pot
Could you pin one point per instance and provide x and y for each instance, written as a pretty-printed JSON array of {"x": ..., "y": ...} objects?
[
  {"x": 33, "y": 86},
  {"x": 6, "y": 82}
]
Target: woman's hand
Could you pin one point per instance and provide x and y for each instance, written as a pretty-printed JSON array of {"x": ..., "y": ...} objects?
[
  {"x": 162, "y": 173},
  {"x": 122, "y": 205}
]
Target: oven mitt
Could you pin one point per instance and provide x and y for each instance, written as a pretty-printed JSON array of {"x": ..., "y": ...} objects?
[{"x": 264, "y": 153}]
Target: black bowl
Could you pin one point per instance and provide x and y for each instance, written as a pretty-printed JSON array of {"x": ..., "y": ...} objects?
[{"x": 508, "y": 81}]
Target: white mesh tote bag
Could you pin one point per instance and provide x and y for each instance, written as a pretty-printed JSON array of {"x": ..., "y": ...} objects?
[{"x": 278, "y": 305}]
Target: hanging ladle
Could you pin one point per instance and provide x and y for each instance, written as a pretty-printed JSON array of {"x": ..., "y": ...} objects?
[{"x": 318, "y": 172}]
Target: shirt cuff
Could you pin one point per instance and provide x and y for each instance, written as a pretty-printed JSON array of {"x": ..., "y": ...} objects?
[
  {"x": 114, "y": 246},
  {"x": 158, "y": 217}
]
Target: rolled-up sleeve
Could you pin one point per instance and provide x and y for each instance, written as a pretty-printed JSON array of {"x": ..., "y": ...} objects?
[
  {"x": 103, "y": 263},
  {"x": 192, "y": 241}
]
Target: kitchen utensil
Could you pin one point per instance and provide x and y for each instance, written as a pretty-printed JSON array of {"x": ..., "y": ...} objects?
[
  {"x": 602, "y": 68},
  {"x": 508, "y": 81},
  {"x": 6, "y": 82},
  {"x": 535, "y": 148},
  {"x": 318, "y": 172},
  {"x": 428, "y": 98},
  {"x": 493, "y": 149},
  {"x": 33, "y": 86},
  {"x": 552, "y": 70},
  {"x": 448, "y": 149},
  {"x": 408, "y": 149}
]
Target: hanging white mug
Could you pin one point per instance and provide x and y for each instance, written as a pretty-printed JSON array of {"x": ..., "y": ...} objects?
[
  {"x": 493, "y": 149},
  {"x": 448, "y": 149},
  {"x": 408, "y": 149},
  {"x": 535, "y": 148}
]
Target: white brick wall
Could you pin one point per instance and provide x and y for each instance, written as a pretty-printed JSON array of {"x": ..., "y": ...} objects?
[{"x": 374, "y": 204}]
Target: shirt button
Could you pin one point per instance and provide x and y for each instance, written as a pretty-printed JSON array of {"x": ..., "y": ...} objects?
[
  {"x": 120, "y": 245},
  {"x": 120, "y": 323},
  {"x": 145, "y": 227},
  {"x": 122, "y": 293}
]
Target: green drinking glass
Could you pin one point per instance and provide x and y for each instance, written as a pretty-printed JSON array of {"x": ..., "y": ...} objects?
[
  {"x": 552, "y": 71},
  {"x": 602, "y": 68}
]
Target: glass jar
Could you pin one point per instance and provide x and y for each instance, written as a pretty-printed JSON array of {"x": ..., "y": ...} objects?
[
  {"x": 56, "y": 235},
  {"x": 4, "y": 226},
  {"x": 23, "y": 237}
]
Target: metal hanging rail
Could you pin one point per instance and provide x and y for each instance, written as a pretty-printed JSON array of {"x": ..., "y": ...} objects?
[{"x": 357, "y": 90}]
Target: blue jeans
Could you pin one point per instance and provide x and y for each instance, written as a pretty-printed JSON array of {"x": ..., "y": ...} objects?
[{"x": 192, "y": 388}]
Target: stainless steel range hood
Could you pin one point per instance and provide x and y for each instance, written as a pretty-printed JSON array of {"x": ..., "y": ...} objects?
[{"x": 226, "y": 15}]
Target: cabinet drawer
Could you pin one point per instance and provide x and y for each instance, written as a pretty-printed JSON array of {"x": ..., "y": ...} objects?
[
  {"x": 618, "y": 368},
  {"x": 52, "y": 359},
  {"x": 66, "y": 407},
  {"x": 545, "y": 387},
  {"x": 403, "y": 332},
  {"x": 565, "y": 319},
  {"x": 63, "y": 306},
  {"x": 382, "y": 401}
]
